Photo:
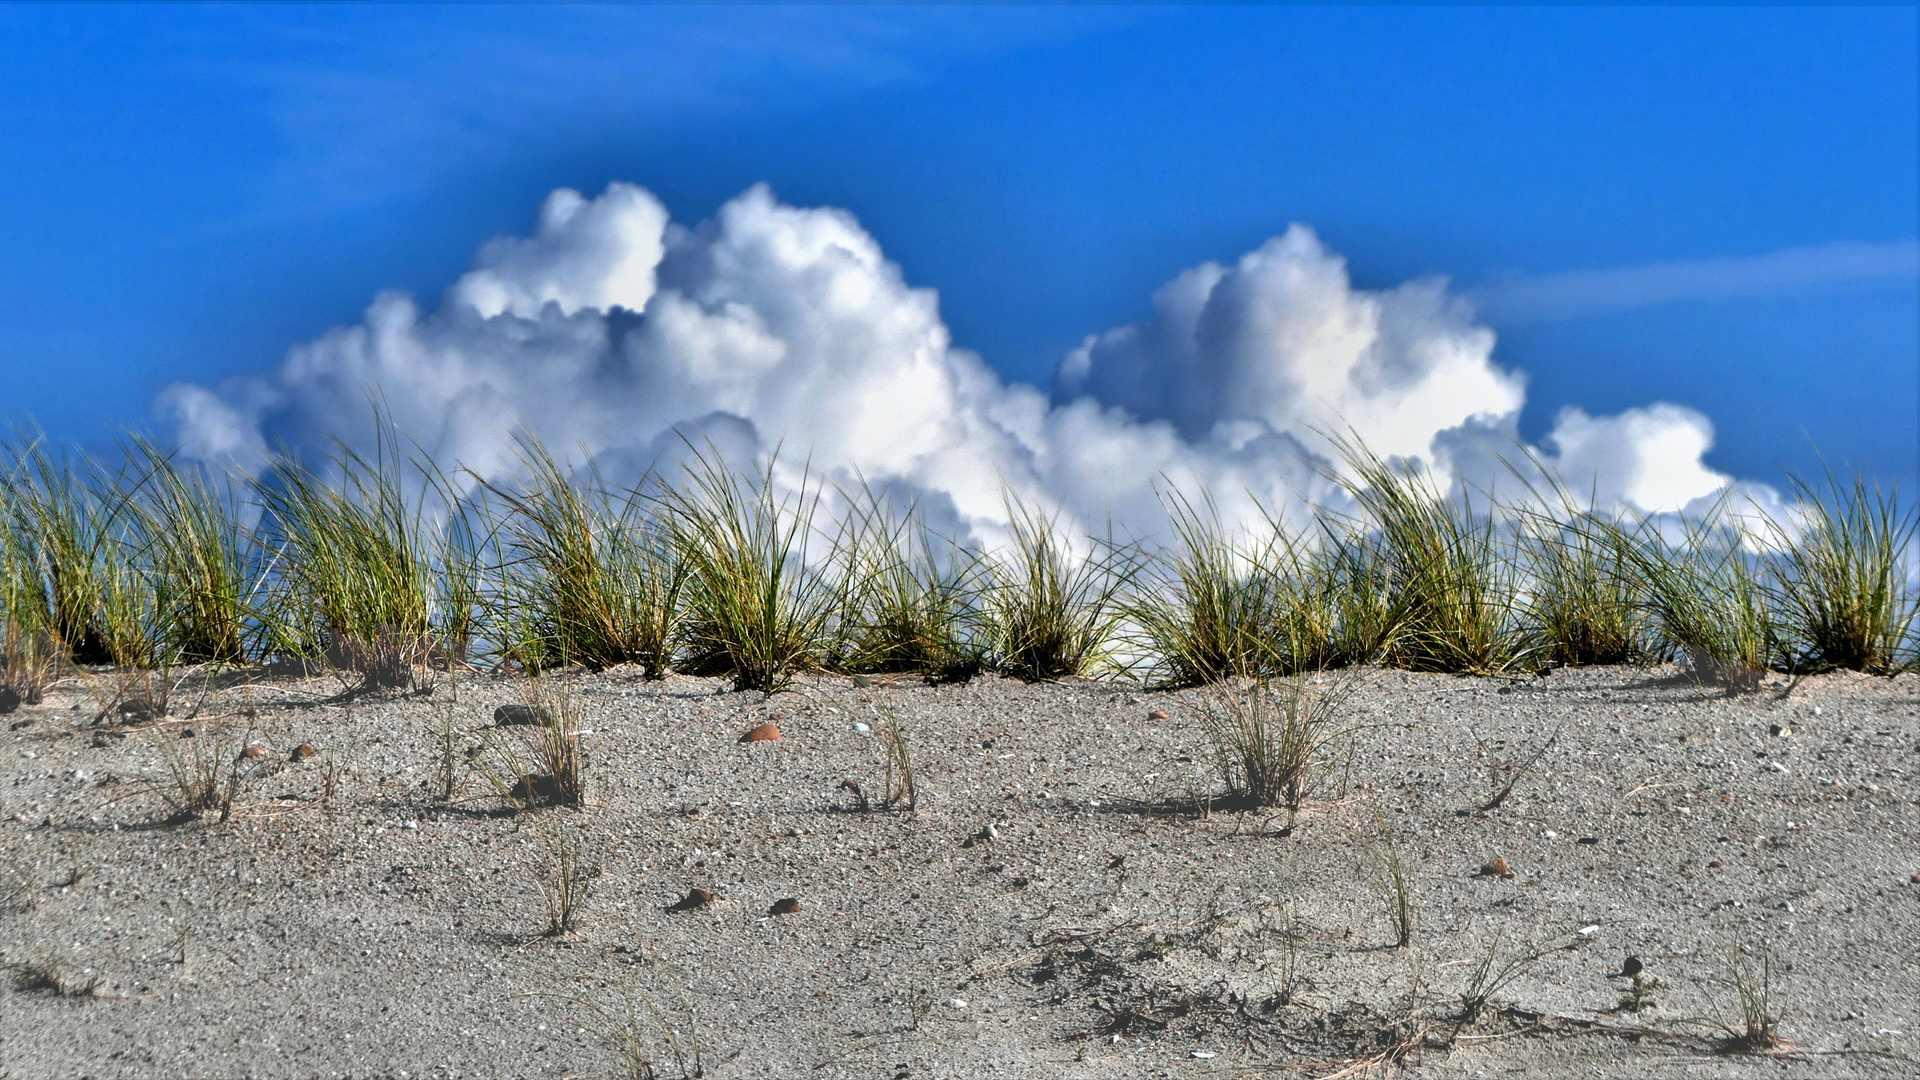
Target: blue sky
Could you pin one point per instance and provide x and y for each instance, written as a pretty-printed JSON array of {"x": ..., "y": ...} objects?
[{"x": 185, "y": 192}]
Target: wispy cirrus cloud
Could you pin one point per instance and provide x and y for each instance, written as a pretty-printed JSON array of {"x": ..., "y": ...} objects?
[
  {"x": 400, "y": 96},
  {"x": 1844, "y": 265}
]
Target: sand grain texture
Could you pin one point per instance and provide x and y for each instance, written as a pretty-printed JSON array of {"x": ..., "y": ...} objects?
[{"x": 1107, "y": 926}]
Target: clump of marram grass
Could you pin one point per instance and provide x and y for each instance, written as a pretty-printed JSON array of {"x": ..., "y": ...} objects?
[
  {"x": 755, "y": 609},
  {"x": 1210, "y": 608},
  {"x": 354, "y": 564},
  {"x": 28, "y": 661},
  {"x": 910, "y": 599},
  {"x": 1582, "y": 602},
  {"x": 198, "y": 560},
  {"x": 389, "y": 660},
  {"x": 1709, "y": 597},
  {"x": 592, "y": 585},
  {"x": 1451, "y": 594},
  {"x": 28, "y": 649},
  {"x": 1273, "y": 740},
  {"x": 1051, "y": 614},
  {"x": 1844, "y": 585},
  {"x": 72, "y": 556},
  {"x": 1338, "y": 603},
  {"x": 458, "y": 617}
]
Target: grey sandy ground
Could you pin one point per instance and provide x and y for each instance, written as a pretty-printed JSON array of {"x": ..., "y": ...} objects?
[{"x": 1102, "y": 933}]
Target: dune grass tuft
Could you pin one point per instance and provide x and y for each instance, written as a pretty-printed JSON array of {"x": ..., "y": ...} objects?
[
  {"x": 593, "y": 585},
  {"x": 1582, "y": 603},
  {"x": 354, "y": 561},
  {"x": 1050, "y": 614},
  {"x": 1757, "y": 996},
  {"x": 73, "y": 531},
  {"x": 1450, "y": 588},
  {"x": 200, "y": 562},
  {"x": 1708, "y": 594},
  {"x": 1844, "y": 582},
  {"x": 536, "y": 765},
  {"x": 387, "y": 567},
  {"x": 911, "y": 598},
  {"x": 1211, "y": 608},
  {"x": 755, "y": 608}
]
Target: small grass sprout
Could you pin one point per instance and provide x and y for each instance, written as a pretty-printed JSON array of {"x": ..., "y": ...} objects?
[
  {"x": 1641, "y": 994},
  {"x": 16, "y": 888},
  {"x": 204, "y": 774},
  {"x": 1273, "y": 738},
  {"x": 1393, "y": 882},
  {"x": 1756, "y": 993},
  {"x": 900, "y": 791},
  {"x": 1488, "y": 977},
  {"x": 642, "y": 1033},
  {"x": 563, "y": 872},
  {"x": 536, "y": 765}
]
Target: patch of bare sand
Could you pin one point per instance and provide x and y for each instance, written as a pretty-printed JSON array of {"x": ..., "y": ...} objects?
[{"x": 350, "y": 920}]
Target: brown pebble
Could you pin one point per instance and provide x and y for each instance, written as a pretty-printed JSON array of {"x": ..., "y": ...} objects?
[
  {"x": 303, "y": 752},
  {"x": 789, "y": 906},
  {"x": 695, "y": 899},
  {"x": 1715, "y": 864},
  {"x": 255, "y": 751},
  {"x": 1498, "y": 868},
  {"x": 1915, "y": 879},
  {"x": 761, "y": 733},
  {"x": 1157, "y": 714}
]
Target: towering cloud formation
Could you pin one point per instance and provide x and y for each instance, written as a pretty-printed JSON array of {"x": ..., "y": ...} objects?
[{"x": 611, "y": 328}]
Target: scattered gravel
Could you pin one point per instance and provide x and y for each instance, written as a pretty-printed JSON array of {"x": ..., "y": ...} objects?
[{"x": 1063, "y": 903}]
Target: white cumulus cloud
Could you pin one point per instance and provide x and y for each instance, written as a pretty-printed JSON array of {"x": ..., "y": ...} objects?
[{"x": 611, "y": 329}]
